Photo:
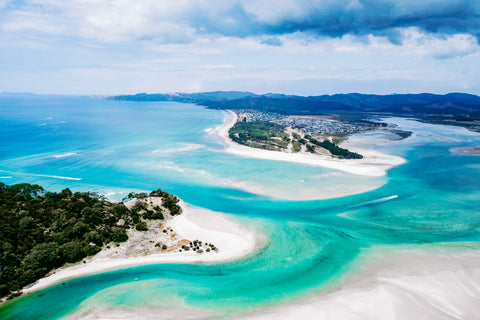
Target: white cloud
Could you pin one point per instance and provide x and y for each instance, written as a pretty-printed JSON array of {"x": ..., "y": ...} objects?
[
  {"x": 32, "y": 21},
  {"x": 218, "y": 66},
  {"x": 106, "y": 47},
  {"x": 415, "y": 45},
  {"x": 3, "y": 3},
  {"x": 180, "y": 21},
  {"x": 448, "y": 46},
  {"x": 106, "y": 21}
]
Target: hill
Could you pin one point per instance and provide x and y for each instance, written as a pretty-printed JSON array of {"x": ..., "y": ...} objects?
[{"x": 453, "y": 108}]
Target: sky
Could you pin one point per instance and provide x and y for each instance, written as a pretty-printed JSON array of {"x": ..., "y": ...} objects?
[{"x": 308, "y": 47}]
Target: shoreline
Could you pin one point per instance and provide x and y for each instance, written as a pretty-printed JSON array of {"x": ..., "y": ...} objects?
[
  {"x": 374, "y": 163},
  {"x": 233, "y": 241},
  {"x": 410, "y": 282}
]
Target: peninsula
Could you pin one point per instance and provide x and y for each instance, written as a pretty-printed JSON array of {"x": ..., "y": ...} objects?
[
  {"x": 50, "y": 237},
  {"x": 371, "y": 163}
]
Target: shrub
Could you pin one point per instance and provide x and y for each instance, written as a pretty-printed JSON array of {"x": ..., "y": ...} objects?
[{"x": 141, "y": 226}]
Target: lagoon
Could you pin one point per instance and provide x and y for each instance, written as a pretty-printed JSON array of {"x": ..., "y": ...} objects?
[{"x": 424, "y": 208}]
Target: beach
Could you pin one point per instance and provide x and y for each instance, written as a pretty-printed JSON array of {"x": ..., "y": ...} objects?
[
  {"x": 232, "y": 241},
  {"x": 425, "y": 282},
  {"x": 374, "y": 163}
]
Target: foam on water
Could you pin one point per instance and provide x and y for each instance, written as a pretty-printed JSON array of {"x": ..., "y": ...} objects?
[{"x": 68, "y": 154}]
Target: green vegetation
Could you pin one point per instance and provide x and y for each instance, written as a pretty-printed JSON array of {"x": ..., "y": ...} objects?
[
  {"x": 336, "y": 150},
  {"x": 169, "y": 202},
  {"x": 260, "y": 134},
  {"x": 272, "y": 136},
  {"x": 297, "y": 146},
  {"x": 41, "y": 231}
]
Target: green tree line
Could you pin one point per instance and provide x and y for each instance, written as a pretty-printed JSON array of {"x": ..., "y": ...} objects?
[
  {"x": 41, "y": 231},
  {"x": 336, "y": 150}
]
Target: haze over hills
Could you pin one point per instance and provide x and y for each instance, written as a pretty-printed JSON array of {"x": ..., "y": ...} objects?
[
  {"x": 453, "y": 108},
  {"x": 452, "y": 103}
]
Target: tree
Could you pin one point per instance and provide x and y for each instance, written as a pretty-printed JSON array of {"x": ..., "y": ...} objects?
[
  {"x": 141, "y": 226},
  {"x": 119, "y": 235}
]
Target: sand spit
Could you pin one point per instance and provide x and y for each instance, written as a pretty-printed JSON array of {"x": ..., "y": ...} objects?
[
  {"x": 231, "y": 240},
  {"x": 373, "y": 164}
]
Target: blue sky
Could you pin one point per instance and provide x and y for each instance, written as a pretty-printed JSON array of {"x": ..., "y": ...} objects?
[{"x": 307, "y": 47}]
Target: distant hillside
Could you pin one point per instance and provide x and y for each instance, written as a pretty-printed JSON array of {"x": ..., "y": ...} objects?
[
  {"x": 186, "y": 97},
  {"x": 454, "y": 108}
]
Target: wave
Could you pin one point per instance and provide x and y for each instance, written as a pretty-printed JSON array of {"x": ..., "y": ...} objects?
[
  {"x": 188, "y": 147},
  {"x": 63, "y": 155},
  {"x": 41, "y": 175},
  {"x": 51, "y": 176}
]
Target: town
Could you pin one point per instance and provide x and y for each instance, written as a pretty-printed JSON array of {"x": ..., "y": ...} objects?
[{"x": 310, "y": 125}]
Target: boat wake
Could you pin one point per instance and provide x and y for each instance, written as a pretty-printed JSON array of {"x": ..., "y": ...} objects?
[{"x": 380, "y": 200}]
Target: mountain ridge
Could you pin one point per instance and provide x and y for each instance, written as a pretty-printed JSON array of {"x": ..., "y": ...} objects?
[{"x": 454, "y": 108}]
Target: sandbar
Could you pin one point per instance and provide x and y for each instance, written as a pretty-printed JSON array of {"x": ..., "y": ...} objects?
[
  {"x": 425, "y": 283},
  {"x": 474, "y": 151}
]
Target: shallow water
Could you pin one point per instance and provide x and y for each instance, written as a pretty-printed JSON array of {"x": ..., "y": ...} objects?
[{"x": 116, "y": 147}]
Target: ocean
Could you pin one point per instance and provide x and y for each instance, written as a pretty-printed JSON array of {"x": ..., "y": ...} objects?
[{"x": 312, "y": 243}]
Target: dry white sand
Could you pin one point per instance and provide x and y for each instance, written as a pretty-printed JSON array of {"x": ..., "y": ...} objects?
[
  {"x": 373, "y": 164},
  {"x": 150, "y": 313},
  {"x": 430, "y": 283},
  {"x": 231, "y": 239}
]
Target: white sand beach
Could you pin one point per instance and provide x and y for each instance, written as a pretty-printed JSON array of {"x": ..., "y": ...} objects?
[
  {"x": 430, "y": 283},
  {"x": 232, "y": 241},
  {"x": 373, "y": 164}
]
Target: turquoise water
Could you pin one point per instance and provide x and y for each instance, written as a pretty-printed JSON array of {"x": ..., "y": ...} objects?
[{"x": 116, "y": 147}]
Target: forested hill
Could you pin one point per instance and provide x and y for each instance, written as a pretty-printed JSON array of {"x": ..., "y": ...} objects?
[
  {"x": 456, "y": 105},
  {"x": 41, "y": 231}
]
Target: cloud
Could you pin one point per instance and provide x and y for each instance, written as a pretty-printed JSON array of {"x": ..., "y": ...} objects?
[
  {"x": 302, "y": 47},
  {"x": 4, "y": 3},
  {"x": 272, "y": 41},
  {"x": 180, "y": 21},
  {"x": 340, "y": 17},
  {"x": 449, "y": 46}
]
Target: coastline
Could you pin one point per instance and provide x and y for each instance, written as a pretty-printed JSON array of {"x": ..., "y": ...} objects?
[
  {"x": 374, "y": 163},
  {"x": 232, "y": 240},
  {"x": 411, "y": 282}
]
